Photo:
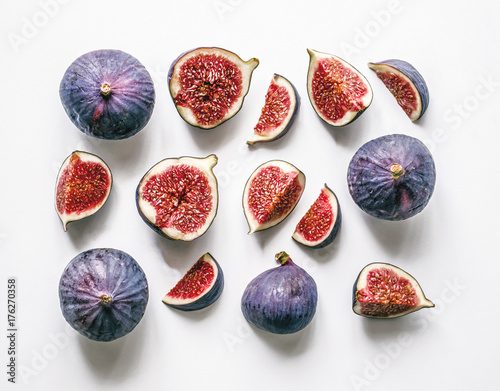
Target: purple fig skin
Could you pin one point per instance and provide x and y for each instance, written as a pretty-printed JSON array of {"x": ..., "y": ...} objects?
[
  {"x": 397, "y": 194},
  {"x": 281, "y": 300},
  {"x": 108, "y": 94},
  {"x": 103, "y": 294}
]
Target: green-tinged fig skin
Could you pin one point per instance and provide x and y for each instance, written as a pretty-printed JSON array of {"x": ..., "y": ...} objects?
[
  {"x": 374, "y": 188},
  {"x": 118, "y": 114},
  {"x": 103, "y": 294},
  {"x": 281, "y": 300}
]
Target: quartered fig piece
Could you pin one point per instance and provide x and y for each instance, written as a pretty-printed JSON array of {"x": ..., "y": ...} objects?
[
  {"x": 338, "y": 92},
  {"x": 271, "y": 193},
  {"x": 281, "y": 300},
  {"x": 208, "y": 85},
  {"x": 178, "y": 197},
  {"x": 278, "y": 114},
  {"x": 383, "y": 290},
  {"x": 103, "y": 293},
  {"x": 200, "y": 287},
  {"x": 392, "y": 177},
  {"x": 405, "y": 83},
  {"x": 321, "y": 224},
  {"x": 108, "y": 94},
  {"x": 83, "y": 185}
]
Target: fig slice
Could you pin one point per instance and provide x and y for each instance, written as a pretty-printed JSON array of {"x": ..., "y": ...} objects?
[
  {"x": 200, "y": 287},
  {"x": 281, "y": 106},
  {"x": 83, "y": 185},
  {"x": 321, "y": 223},
  {"x": 178, "y": 197},
  {"x": 338, "y": 92},
  {"x": 271, "y": 193},
  {"x": 405, "y": 83},
  {"x": 208, "y": 85},
  {"x": 383, "y": 290}
]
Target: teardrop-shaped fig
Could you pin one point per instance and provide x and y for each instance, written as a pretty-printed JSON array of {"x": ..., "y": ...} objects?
[
  {"x": 271, "y": 193},
  {"x": 338, "y": 92},
  {"x": 178, "y": 197},
  {"x": 108, "y": 94},
  {"x": 405, "y": 83},
  {"x": 199, "y": 288},
  {"x": 278, "y": 114},
  {"x": 83, "y": 185},
  {"x": 321, "y": 223},
  {"x": 208, "y": 85},
  {"x": 281, "y": 300},
  {"x": 383, "y": 290}
]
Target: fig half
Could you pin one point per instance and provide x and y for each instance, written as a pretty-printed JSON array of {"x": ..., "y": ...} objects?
[
  {"x": 383, "y": 290},
  {"x": 338, "y": 92},
  {"x": 208, "y": 85},
  {"x": 83, "y": 185},
  {"x": 278, "y": 114},
  {"x": 178, "y": 197},
  {"x": 271, "y": 193}
]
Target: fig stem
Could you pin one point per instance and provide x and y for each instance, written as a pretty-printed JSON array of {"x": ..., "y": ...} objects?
[
  {"x": 105, "y": 89},
  {"x": 106, "y": 299},
  {"x": 282, "y": 257},
  {"x": 397, "y": 170}
]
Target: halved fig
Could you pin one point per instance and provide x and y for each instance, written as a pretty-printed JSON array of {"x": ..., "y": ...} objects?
[
  {"x": 271, "y": 193},
  {"x": 405, "y": 83},
  {"x": 279, "y": 111},
  {"x": 208, "y": 85},
  {"x": 321, "y": 224},
  {"x": 383, "y": 290},
  {"x": 83, "y": 185},
  {"x": 178, "y": 197},
  {"x": 200, "y": 287},
  {"x": 338, "y": 92}
]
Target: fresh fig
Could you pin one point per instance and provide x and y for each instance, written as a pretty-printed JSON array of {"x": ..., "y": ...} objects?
[
  {"x": 108, "y": 94},
  {"x": 338, "y": 92},
  {"x": 321, "y": 224},
  {"x": 178, "y": 197},
  {"x": 383, "y": 290},
  {"x": 200, "y": 287},
  {"x": 406, "y": 84},
  {"x": 392, "y": 177},
  {"x": 208, "y": 85},
  {"x": 281, "y": 300},
  {"x": 103, "y": 293},
  {"x": 271, "y": 193},
  {"x": 278, "y": 114},
  {"x": 83, "y": 186}
]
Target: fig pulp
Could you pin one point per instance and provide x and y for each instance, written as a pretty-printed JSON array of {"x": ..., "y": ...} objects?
[
  {"x": 200, "y": 287},
  {"x": 320, "y": 225},
  {"x": 271, "y": 193},
  {"x": 208, "y": 85},
  {"x": 406, "y": 84},
  {"x": 103, "y": 293},
  {"x": 82, "y": 187},
  {"x": 392, "y": 177},
  {"x": 385, "y": 291},
  {"x": 178, "y": 197},
  {"x": 338, "y": 92},
  {"x": 281, "y": 300},
  {"x": 279, "y": 111},
  {"x": 108, "y": 94}
]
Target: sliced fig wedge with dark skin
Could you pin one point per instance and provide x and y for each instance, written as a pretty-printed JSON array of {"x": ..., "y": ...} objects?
[
  {"x": 178, "y": 197},
  {"x": 338, "y": 92},
  {"x": 83, "y": 185},
  {"x": 405, "y": 83},
  {"x": 271, "y": 193},
  {"x": 321, "y": 223},
  {"x": 199, "y": 288},
  {"x": 208, "y": 85},
  {"x": 281, "y": 106},
  {"x": 385, "y": 291}
]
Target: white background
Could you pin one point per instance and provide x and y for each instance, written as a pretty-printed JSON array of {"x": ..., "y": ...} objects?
[{"x": 451, "y": 247}]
